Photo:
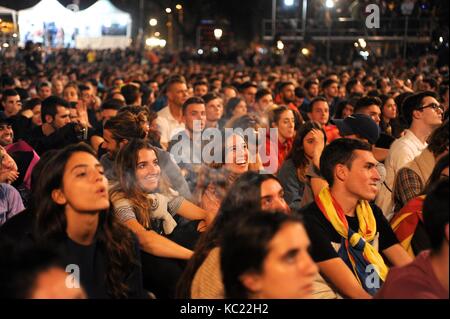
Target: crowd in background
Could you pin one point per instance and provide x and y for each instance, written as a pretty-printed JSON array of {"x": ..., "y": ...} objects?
[{"x": 338, "y": 187}]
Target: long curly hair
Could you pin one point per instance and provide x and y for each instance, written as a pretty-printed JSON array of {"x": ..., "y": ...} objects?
[{"x": 51, "y": 223}]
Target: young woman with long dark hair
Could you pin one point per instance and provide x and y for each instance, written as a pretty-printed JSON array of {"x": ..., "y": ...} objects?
[{"x": 73, "y": 212}]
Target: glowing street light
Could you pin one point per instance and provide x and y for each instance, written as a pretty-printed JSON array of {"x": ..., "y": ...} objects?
[
  {"x": 153, "y": 22},
  {"x": 280, "y": 45},
  {"x": 441, "y": 39},
  {"x": 178, "y": 7},
  {"x": 305, "y": 51},
  {"x": 362, "y": 43},
  {"x": 155, "y": 42},
  {"x": 157, "y": 34},
  {"x": 288, "y": 3},
  {"x": 218, "y": 33},
  {"x": 329, "y": 4},
  {"x": 168, "y": 10}
]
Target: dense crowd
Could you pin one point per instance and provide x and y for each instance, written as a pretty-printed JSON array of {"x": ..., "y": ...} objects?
[{"x": 136, "y": 177}]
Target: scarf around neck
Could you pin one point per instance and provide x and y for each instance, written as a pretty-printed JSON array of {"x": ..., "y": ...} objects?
[{"x": 356, "y": 247}]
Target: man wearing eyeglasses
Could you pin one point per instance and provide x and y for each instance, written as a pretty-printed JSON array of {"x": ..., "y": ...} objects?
[{"x": 423, "y": 114}]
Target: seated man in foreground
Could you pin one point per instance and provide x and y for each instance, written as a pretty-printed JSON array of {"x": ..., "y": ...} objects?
[{"x": 347, "y": 233}]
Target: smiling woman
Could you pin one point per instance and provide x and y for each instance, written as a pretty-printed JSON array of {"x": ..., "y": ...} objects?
[
  {"x": 72, "y": 212},
  {"x": 145, "y": 204}
]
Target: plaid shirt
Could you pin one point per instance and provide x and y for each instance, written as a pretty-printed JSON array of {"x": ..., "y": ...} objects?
[{"x": 407, "y": 186}]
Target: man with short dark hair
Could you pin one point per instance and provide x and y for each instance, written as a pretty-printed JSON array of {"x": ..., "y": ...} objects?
[
  {"x": 248, "y": 93},
  {"x": 11, "y": 102},
  {"x": 44, "y": 90},
  {"x": 330, "y": 90},
  {"x": 319, "y": 112},
  {"x": 170, "y": 118},
  {"x": 186, "y": 147},
  {"x": 423, "y": 114},
  {"x": 354, "y": 86},
  {"x": 348, "y": 232},
  {"x": 131, "y": 94},
  {"x": 56, "y": 130},
  {"x": 200, "y": 88},
  {"x": 427, "y": 276}
]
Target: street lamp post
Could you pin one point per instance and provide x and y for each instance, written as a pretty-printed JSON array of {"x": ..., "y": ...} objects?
[
  {"x": 179, "y": 8},
  {"x": 169, "y": 28}
]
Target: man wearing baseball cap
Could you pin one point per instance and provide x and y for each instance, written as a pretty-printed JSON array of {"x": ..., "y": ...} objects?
[{"x": 359, "y": 126}]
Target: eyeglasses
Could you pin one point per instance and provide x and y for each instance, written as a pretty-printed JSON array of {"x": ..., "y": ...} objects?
[{"x": 434, "y": 106}]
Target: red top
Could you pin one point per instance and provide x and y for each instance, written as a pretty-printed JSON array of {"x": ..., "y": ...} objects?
[
  {"x": 332, "y": 133},
  {"x": 416, "y": 280},
  {"x": 280, "y": 152}
]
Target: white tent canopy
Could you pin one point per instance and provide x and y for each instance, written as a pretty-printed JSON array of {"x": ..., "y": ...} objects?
[
  {"x": 102, "y": 26},
  {"x": 48, "y": 22}
]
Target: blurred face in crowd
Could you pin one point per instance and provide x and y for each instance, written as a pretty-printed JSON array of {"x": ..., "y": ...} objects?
[
  {"x": 87, "y": 96},
  {"x": 313, "y": 90},
  {"x": 265, "y": 103},
  {"x": 51, "y": 284},
  {"x": 288, "y": 270},
  {"x": 214, "y": 110},
  {"x": 385, "y": 86},
  {"x": 332, "y": 90},
  {"x": 200, "y": 90},
  {"x": 310, "y": 142},
  {"x": 288, "y": 94},
  {"x": 236, "y": 154},
  {"x": 147, "y": 170},
  {"x": 61, "y": 119},
  {"x": 431, "y": 113},
  {"x": 347, "y": 111},
  {"x": 272, "y": 196},
  {"x": 229, "y": 93},
  {"x": 12, "y": 105},
  {"x": 8, "y": 167},
  {"x": 373, "y": 111},
  {"x": 195, "y": 117},
  {"x": 177, "y": 94},
  {"x": 70, "y": 94},
  {"x": 240, "y": 109},
  {"x": 286, "y": 125},
  {"x": 344, "y": 78},
  {"x": 44, "y": 92},
  {"x": 358, "y": 88},
  {"x": 249, "y": 95},
  {"x": 390, "y": 109},
  {"x": 118, "y": 83},
  {"x": 110, "y": 144},
  {"x": 320, "y": 112},
  {"x": 37, "y": 119},
  {"x": 6, "y": 134},
  {"x": 84, "y": 185},
  {"x": 361, "y": 179},
  {"x": 73, "y": 115},
  {"x": 57, "y": 87}
]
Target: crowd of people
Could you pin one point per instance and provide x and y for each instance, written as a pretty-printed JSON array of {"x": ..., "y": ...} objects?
[{"x": 122, "y": 179}]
